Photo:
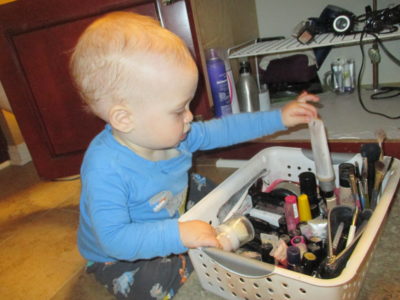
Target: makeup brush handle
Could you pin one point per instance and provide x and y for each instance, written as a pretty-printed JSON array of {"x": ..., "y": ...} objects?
[
  {"x": 350, "y": 236},
  {"x": 374, "y": 199}
]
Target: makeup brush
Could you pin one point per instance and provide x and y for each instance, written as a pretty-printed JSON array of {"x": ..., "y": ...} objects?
[
  {"x": 380, "y": 137},
  {"x": 352, "y": 229},
  {"x": 370, "y": 151},
  {"x": 379, "y": 174}
]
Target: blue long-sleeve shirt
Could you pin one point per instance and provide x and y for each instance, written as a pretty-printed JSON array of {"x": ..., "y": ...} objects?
[{"x": 129, "y": 205}]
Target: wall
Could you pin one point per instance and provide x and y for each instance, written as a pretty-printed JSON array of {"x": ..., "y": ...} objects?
[{"x": 279, "y": 17}]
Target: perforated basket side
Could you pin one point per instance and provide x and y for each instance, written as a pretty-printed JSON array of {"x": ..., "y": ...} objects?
[{"x": 215, "y": 277}]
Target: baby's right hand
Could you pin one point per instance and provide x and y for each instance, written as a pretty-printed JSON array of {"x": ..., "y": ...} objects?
[{"x": 198, "y": 234}]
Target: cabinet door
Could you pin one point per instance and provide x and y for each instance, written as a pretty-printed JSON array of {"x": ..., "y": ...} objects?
[
  {"x": 36, "y": 41},
  {"x": 3, "y": 148}
]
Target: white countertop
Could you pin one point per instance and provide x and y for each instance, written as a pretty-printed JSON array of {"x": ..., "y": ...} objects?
[{"x": 345, "y": 119}]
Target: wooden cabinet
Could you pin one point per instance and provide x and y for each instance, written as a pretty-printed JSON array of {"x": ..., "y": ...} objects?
[
  {"x": 36, "y": 40},
  {"x": 3, "y": 148},
  {"x": 37, "y": 37}
]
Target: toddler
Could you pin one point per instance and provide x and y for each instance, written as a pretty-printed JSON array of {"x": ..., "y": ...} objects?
[{"x": 140, "y": 79}]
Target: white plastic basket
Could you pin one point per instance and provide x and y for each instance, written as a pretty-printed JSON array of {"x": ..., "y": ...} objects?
[{"x": 235, "y": 277}]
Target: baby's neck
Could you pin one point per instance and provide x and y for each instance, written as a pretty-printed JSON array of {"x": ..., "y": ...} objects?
[{"x": 149, "y": 154}]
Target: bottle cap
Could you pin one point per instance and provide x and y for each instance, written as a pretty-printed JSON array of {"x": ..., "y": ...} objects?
[
  {"x": 315, "y": 248},
  {"x": 299, "y": 239},
  {"x": 212, "y": 53},
  {"x": 309, "y": 256},
  {"x": 308, "y": 186},
  {"x": 309, "y": 263},
  {"x": 293, "y": 255},
  {"x": 291, "y": 199},
  {"x": 304, "y": 208},
  {"x": 244, "y": 67}
]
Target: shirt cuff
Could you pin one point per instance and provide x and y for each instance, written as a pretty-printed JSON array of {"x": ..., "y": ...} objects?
[{"x": 175, "y": 238}]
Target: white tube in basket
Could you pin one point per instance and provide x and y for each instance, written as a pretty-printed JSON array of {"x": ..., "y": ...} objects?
[
  {"x": 267, "y": 216},
  {"x": 323, "y": 163}
]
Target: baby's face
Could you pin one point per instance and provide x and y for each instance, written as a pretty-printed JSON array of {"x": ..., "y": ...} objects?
[{"x": 164, "y": 118}]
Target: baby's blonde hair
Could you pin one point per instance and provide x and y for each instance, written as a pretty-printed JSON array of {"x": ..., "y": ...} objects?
[{"x": 101, "y": 63}]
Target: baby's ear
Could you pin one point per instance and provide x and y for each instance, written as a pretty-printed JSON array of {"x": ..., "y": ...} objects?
[{"x": 121, "y": 118}]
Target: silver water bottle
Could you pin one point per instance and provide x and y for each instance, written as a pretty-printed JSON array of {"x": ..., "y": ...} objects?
[{"x": 247, "y": 89}]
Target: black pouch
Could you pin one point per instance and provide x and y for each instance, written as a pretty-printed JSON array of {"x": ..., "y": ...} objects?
[
  {"x": 290, "y": 75},
  {"x": 294, "y": 68},
  {"x": 334, "y": 263}
]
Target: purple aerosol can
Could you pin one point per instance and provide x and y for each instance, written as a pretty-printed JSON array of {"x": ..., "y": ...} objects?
[{"x": 219, "y": 84}]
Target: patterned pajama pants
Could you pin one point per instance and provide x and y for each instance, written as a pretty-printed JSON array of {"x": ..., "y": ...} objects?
[{"x": 155, "y": 279}]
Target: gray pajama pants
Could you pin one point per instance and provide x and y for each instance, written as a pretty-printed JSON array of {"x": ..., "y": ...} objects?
[{"x": 154, "y": 279}]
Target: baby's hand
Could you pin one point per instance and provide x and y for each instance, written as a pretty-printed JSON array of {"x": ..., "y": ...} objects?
[
  {"x": 198, "y": 234},
  {"x": 299, "y": 111}
]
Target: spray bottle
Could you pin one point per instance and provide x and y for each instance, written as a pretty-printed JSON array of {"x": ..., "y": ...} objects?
[{"x": 219, "y": 84}]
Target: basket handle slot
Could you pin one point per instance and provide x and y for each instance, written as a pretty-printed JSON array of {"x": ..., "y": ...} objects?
[{"x": 240, "y": 265}]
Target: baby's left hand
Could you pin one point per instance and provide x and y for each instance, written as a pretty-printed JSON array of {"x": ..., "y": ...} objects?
[{"x": 299, "y": 111}]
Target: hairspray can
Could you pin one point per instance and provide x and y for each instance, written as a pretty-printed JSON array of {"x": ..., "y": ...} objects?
[{"x": 219, "y": 84}]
